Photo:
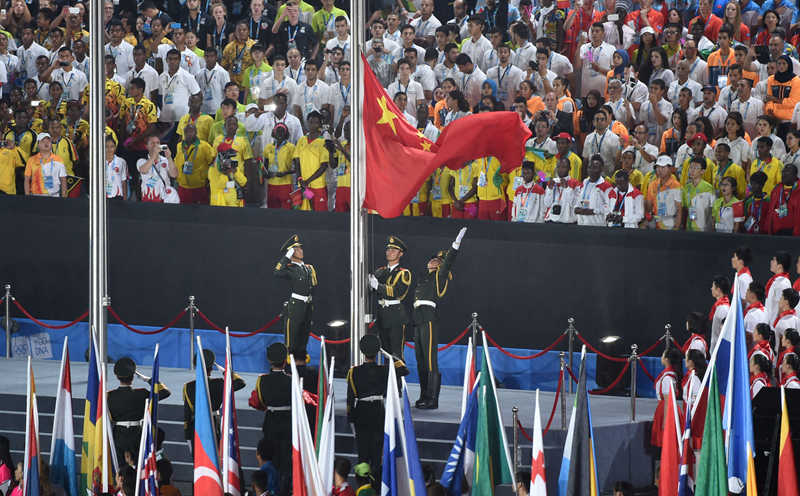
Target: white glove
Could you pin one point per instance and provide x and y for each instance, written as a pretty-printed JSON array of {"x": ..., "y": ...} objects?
[
  {"x": 373, "y": 282},
  {"x": 289, "y": 253},
  {"x": 457, "y": 242}
]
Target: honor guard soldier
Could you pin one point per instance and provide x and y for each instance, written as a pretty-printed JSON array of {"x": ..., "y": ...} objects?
[
  {"x": 391, "y": 283},
  {"x": 302, "y": 281},
  {"x": 431, "y": 288},
  {"x": 216, "y": 388},
  {"x": 126, "y": 407},
  {"x": 273, "y": 394}
]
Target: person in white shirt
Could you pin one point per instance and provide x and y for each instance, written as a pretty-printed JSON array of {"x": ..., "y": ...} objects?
[
  {"x": 378, "y": 31},
  {"x": 72, "y": 80},
  {"x": 52, "y": 171},
  {"x": 729, "y": 93},
  {"x": 116, "y": 172},
  {"x": 27, "y": 54},
  {"x": 175, "y": 86},
  {"x": 278, "y": 82},
  {"x": 121, "y": 50},
  {"x": 594, "y": 61},
  {"x": 313, "y": 94},
  {"x": 425, "y": 25},
  {"x": 404, "y": 84},
  {"x": 6, "y": 57},
  {"x": 561, "y": 195},
  {"x": 656, "y": 112},
  {"x": 620, "y": 106},
  {"x": 393, "y": 28},
  {"x": 81, "y": 62},
  {"x": 740, "y": 262},
  {"x": 342, "y": 38},
  {"x": 555, "y": 61},
  {"x": 592, "y": 199},
  {"x": 602, "y": 141},
  {"x": 720, "y": 289},
  {"x": 340, "y": 92},
  {"x": 141, "y": 69},
  {"x": 156, "y": 171},
  {"x": 779, "y": 265},
  {"x": 212, "y": 80},
  {"x": 407, "y": 36},
  {"x": 644, "y": 154},
  {"x": 625, "y": 203},
  {"x": 712, "y": 110},
  {"x": 189, "y": 60},
  {"x": 526, "y": 51},
  {"x": 528, "y": 201},
  {"x": 470, "y": 79},
  {"x": 748, "y": 106},
  {"x": 787, "y": 317},
  {"x": 683, "y": 81},
  {"x": 421, "y": 73},
  {"x": 264, "y": 123},
  {"x": 448, "y": 67},
  {"x": 754, "y": 311},
  {"x": 506, "y": 76},
  {"x": 698, "y": 69},
  {"x": 476, "y": 45},
  {"x": 460, "y": 18}
]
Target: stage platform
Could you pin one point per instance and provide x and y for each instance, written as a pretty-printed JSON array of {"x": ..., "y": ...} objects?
[{"x": 621, "y": 445}]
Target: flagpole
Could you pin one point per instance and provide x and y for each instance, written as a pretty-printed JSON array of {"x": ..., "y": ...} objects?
[{"x": 358, "y": 271}]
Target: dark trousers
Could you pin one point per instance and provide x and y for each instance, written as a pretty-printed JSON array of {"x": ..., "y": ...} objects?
[
  {"x": 277, "y": 429},
  {"x": 369, "y": 442},
  {"x": 393, "y": 338},
  {"x": 296, "y": 326},
  {"x": 126, "y": 439},
  {"x": 426, "y": 342}
]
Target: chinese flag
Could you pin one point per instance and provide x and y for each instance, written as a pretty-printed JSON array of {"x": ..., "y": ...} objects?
[{"x": 400, "y": 158}]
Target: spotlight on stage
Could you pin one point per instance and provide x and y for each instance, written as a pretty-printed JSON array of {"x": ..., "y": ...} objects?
[
  {"x": 338, "y": 329},
  {"x": 607, "y": 370},
  {"x": 337, "y": 323}
]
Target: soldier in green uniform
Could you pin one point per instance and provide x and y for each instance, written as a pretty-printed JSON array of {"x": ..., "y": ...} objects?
[
  {"x": 273, "y": 394},
  {"x": 126, "y": 407},
  {"x": 391, "y": 283},
  {"x": 430, "y": 288},
  {"x": 302, "y": 281}
]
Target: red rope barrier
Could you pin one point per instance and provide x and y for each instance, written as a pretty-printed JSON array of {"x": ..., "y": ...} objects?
[
  {"x": 651, "y": 348},
  {"x": 555, "y": 402},
  {"x": 574, "y": 379},
  {"x": 48, "y": 326},
  {"x": 595, "y": 350},
  {"x": 524, "y": 433},
  {"x": 520, "y": 357},
  {"x": 445, "y": 346},
  {"x": 646, "y": 372},
  {"x": 613, "y": 384},
  {"x": 139, "y": 331},
  {"x": 331, "y": 341},
  {"x": 244, "y": 335}
]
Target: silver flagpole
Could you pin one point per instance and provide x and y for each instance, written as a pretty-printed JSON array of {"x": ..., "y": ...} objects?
[
  {"x": 97, "y": 196},
  {"x": 358, "y": 270}
]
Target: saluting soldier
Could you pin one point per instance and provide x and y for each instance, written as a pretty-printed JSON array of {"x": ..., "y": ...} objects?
[
  {"x": 302, "y": 281},
  {"x": 391, "y": 282},
  {"x": 430, "y": 289},
  {"x": 273, "y": 394},
  {"x": 126, "y": 407},
  {"x": 216, "y": 389}
]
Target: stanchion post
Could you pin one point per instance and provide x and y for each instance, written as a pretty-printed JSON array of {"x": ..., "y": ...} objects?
[
  {"x": 192, "y": 309},
  {"x": 633, "y": 359},
  {"x": 571, "y": 345},
  {"x": 563, "y": 391},
  {"x": 7, "y": 321},
  {"x": 668, "y": 335},
  {"x": 515, "y": 417},
  {"x": 474, "y": 326}
]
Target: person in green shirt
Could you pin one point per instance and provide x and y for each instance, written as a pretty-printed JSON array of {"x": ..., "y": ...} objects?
[
  {"x": 364, "y": 480},
  {"x": 231, "y": 92},
  {"x": 697, "y": 196},
  {"x": 255, "y": 74},
  {"x": 727, "y": 210},
  {"x": 323, "y": 21},
  {"x": 228, "y": 108},
  {"x": 191, "y": 40}
]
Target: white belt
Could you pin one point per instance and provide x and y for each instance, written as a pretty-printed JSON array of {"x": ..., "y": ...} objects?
[
  {"x": 279, "y": 409},
  {"x": 388, "y": 303},
  {"x": 428, "y": 303},
  {"x": 372, "y": 398},
  {"x": 306, "y": 299},
  {"x": 129, "y": 424}
]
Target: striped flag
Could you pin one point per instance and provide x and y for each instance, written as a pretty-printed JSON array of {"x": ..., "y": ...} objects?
[
  {"x": 686, "y": 477},
  {"x": 712, "y": 472},
  {"x": 30, "y": 477},
  {"x": 155, "y": 388},
  {"x": 206, "y": 463},
  {"x": 231, "y": 457},
  {"x": 95, "y": 449},
  {"x": 322, "y": 392},
  {"x": 326, "y": 416},
  {"x": 62, "y": 445},
  {"x": 417, "y": 482},
  {"x": 538, "y": 485},
  {"x": 306, "y": 480},
  {"x": 787, "y": 471},
  {"x": 469, "y": 377},
  {"x": 669, "y": 474},
  {"x": 460, "y": 466},
  {"x": 146, "y": 472}
]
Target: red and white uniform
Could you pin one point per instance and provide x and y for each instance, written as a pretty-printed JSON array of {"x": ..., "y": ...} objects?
[
  {"x": 593, "y": 195},
  {"x": 791, "y": 381},
  {"x": 774, "y": 290},
  {"x": 691, "y": 387},
  {"x": 343, "y": 490},
  {"x": 757, "y": 382},
  {"x": 745, "y": 278},
  {"x": 695, "y": 342},
  {"x": 764, "y": 348},
  {"x": 781, "y": 356},
  {"x": 630, "y": 204},
  {"x": 528, "y": 203},
  {"x": 785, "y": 320},
  {"x": 662, "y": 386},
  {"x": 796, "y": 287},
  {"x": 753, "y": 315},
  {"x": 564, "y": 194},
  {"x": 717, "y": 315}
]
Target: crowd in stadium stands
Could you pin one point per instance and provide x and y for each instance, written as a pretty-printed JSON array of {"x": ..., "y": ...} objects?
[{"x": 681, "y": 114}]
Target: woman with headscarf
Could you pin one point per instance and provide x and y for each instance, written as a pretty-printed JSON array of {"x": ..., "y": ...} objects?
[
  {"x": 783, "y": 90},
  {"x": 584, "y": 118},
  {"x": 620, "y": 61}
]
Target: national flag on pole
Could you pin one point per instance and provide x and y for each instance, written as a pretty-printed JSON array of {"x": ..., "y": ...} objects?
[
  {"x": 729, "y": 362},
  {"x": 95, "y": 448},
  {"x": 493, "y": 464},
  {"x": 326, "y": 427},
  {"x": 155, "y": 388},
  {"x": 306, "y": 480},
  {"x": 30, "y": 474},
  {"x": 469, "y": 377},
  {"x": 578, "y": 474},
  {"x": 399, "y": 158},
  {"x": 146, "y": 470},
  {"x": 461, "y": 462},
  {"x": 62, "y": 443},
  {"x": 686, "y": 477},
  {"x": 538, "y": 485},
  {"x": 787, "y": 468},
  {"x": 322, "y": 393},
  {"x": 231, "y": 457},
  {"x": 670, "y": 448},
  {"x": 712, "y": 471},
  {"x": 207, "y": 479},
  {"x": 411, "y": 449}
]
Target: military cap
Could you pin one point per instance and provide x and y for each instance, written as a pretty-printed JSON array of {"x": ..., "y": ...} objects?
[
  {"x": 292, "y": 242},
  {"x": 440, "y": 254},
  {"x": 395, "y": 242},
  {"x": 125, "y": 367},
  {"x": 370, "y": 345},
  {"x": 209, "y": 357},
  {"x": 276, "y": 353}
]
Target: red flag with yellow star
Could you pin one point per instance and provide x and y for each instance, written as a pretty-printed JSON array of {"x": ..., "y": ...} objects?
[{"x": 400, "y": 158}]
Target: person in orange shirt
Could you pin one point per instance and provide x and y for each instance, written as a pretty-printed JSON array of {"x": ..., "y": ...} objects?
[
  {"x": 565, "y": 101},
  {"x": 783, "y": 91},
  {"x": 663, "y": 208},
  {"x": 712, "y": 22},
  {"x": 646, "y": 16},
  {"x": 720, "y": 60},
  {"x": 440, "y": 109},
  {"x": 533, "y": 102}
]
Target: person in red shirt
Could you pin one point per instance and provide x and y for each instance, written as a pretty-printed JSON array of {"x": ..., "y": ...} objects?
[
  {"x": 578, "y": 22},
  {"x": 783, "y": 215},
  {"x": 756, "y": 205},
  {"x": 341, "y": 469},
  {"x": 673, "y": 368},
  {"x": 646, "y": 16},
  {"x": 796, "y": 285},
  {"x": 712, "y": 22}
]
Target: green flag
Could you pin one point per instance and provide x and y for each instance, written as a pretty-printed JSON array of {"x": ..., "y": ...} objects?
[
  {"x": 712, "y": 469},
  {"x": 492, "y": 462}
]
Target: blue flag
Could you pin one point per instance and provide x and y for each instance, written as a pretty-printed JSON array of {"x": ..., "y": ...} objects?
[{"x": 461, "y": 462}]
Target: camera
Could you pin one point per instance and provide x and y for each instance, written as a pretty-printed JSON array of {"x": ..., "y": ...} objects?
[{"x": 227, "y": 161}]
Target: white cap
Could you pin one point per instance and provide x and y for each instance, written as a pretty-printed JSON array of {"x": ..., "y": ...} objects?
[
  {"x": 647, "y": 29},
  {"x": 664, "y": 160},
  {"x": 251, "y": 106},
  {"x": 42, "y": 136}
]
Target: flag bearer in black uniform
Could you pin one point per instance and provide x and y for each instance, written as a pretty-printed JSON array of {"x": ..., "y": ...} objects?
[
  {"x": 391, "y": 283},
  {"x": 302, "y": 281},
  {"x": 216, "y": 388},
  {"x": 273, "y": 393},
  {"x": 126, "y": 407},
  {"x": 430, "y": 289}
]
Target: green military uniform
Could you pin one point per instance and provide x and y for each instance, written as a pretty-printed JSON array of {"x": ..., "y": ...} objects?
[
  {"x": 302, "y": 281},
  {"x": 216, "y": 390},
  {"x": 392, "y": 287}
]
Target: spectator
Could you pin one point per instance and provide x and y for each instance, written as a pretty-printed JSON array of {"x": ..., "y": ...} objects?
[
  {"x": 270, "y": 481},
  {"x": 724, "y": 167},
  {"x": 602, "y": 142},
  {"x": 625, "y": 206},
  {"x": 528, "y": 198},
  {"x": 212, "y": 80},
  {"x": 728, "y": 211},
  {"x": 341, "y": 470},
  {"x": 738, "y": 147},
  {"x": 591, "y": 206},
  {"x": 506, "y": 76},
  {"x": 176, "y": 85},
  {"x": 561, "y": 194},
  {"x": 164, "y": 472},
  {"x": 116, "y": 172},
  {"x": 45, "y": 174},
  {"x": 156, "y": 170},
  {"x": 698, "y": 197},
  {"x": 194, "y": 156},
  {"x": 663, "y": 199}
]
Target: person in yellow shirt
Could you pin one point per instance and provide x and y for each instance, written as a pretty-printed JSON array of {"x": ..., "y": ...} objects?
[
  {"x": 194, "y": 157},
  {"x": 766, "y": 163},
  {"x": 21, "y": 135},
  {"x": 464, "y": 191},
  {"x": 724, "y": 167},
  {"x": 226, "y": 177},
  {"x": 311, "y": 156},
  {"x": 440, "y": 195},
  {"x": 698, "y": 145},
  {"x": 62, "y": 146},
  {"x": 491, "y": 189},
  {"x": 138, "y": 113},
  {"x": 75, "y": 128},
  {"x": 635, "y": 176},
  {"x": 202, "y": 122},
  {"x": 10, "y": 161},
  {"x": 278, "y": 156},
  {"x": 238, "y": 143},
  {"x": 420, "y": 204},
  {"x": 563, "y": 143},
  {"x": 341, "y": 165},
  {"x": 236, "y": 55}
]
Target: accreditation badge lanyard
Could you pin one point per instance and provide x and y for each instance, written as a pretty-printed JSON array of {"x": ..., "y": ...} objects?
[
  {"x": 586, "y": 196},
  {"x": 464, "y": 188},
  {"x": 219, "y": 36},
  {"x": 296, "y": 78},
  {"x": 755, "y": 213},
  {"x": 258, "y": 29},
  {"x": 523, "y": 207},
  {"x": 188, "y": 165},
  {"x": 110, "y": 171},
  {"x": 345, "y": 94},
  {"x": 49, "y": 176},
  {"x": 465, "y": 83},
  {"x": 275, "y": 166},
  {"x": 292, "y": 35},
  {"x": 721, "y": 172},
  {"x": 599, "y": 146},
  {"x": 783, "y": 201},
  {"x": 500, "y": 78},
  {"x": 167, "y": 95},
  {"x": 619, "y": 206}
]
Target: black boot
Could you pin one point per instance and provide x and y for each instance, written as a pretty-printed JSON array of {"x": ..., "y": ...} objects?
[
  {"x": 423, "y": 390},
  {"x": 437, "y": 386},
  {"x": 431, "y": 401}
]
